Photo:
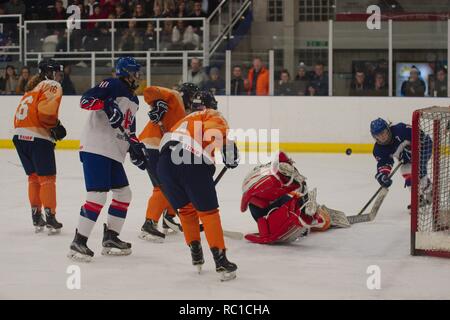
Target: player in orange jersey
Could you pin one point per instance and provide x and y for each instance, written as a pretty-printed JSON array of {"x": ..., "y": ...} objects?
[
  {"x": 37, "y": 128},
  {"x": 186, "y": 168},
  {"x": 167, "y": 108}
]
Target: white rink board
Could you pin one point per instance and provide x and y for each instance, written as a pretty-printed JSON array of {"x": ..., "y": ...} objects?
[{"x": 300, "y": 119}]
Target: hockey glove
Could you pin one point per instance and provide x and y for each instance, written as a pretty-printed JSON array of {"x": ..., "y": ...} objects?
[
  {"x": 58, "y": 132},
  {"x": 230, "y": 154},
  {"x": 384, "y": 180},
  {"x": 115, "y": 116},
  {"x": 405, "y": 156},
  {"x": 136, "y": 151},
  {"x": 158, "y": 111}
]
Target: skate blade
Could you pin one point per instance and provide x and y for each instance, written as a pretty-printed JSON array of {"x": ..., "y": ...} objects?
[
  {"x": 150, "y": 238},
  {"x": 76, "y": 256},
  {"x": 39, "y": 229},
  {"x": 169, "y": 232},
  {"x": 53, "y": 232},
  {"x": 227, "y": 276},
  {"x": 199, "y": 268},
  {"x": 116, "y": 252}
]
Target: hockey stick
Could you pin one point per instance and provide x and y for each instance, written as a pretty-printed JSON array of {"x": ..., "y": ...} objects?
[
  {"x": 155, "y": 182},
  {"x": 380, "y": 195}
]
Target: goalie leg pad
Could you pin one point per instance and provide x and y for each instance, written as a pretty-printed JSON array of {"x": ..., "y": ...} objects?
[{"x": 281, "y": 225}]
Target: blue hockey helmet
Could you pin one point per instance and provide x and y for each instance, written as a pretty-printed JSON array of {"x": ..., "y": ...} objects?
[
  {"x": 379, "y": 126},
  {"x": 127, "y": 66}
]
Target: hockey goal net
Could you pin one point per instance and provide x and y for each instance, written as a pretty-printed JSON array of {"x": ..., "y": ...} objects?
[{"x": 430, "y": 194}]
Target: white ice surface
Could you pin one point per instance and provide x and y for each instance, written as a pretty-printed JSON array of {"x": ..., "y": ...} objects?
[{"x": 328, "y": 266}]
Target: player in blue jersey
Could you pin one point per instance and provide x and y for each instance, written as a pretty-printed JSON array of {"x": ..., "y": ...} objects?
[
  {"x": 394, "y": 142},
  {"x": 111, "y": 104}
]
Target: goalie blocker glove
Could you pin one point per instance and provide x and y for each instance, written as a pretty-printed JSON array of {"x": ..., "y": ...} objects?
[
  {"x": 58, "y": 132},
  {"x": 159, "y": 109},
  {"x": 230, "y": 155},
  {"x": 115, "y": 116}
]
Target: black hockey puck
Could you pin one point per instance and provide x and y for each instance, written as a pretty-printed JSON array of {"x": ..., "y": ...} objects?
[{"x": 349, "y": 152}]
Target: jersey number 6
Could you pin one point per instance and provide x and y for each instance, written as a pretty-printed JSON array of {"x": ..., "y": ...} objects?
[{"x": 22, "y": 112}]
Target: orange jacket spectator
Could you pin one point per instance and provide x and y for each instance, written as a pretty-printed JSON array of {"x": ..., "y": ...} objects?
[{"x": 262, "y": 82}]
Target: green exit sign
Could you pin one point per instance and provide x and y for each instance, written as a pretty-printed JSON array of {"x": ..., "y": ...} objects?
[{"x": 316, "y": 43}]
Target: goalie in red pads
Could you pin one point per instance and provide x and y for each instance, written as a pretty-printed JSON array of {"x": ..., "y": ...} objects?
[{"x": 281, "y": 204}]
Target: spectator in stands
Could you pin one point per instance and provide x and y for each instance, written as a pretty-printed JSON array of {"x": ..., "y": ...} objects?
[
  {"x": 380, "y": 88},
  {"x": 132, "y": 38},
  {"x": 169, "y": 9},
  {"x": 238, "y": 82},
  {"x": 301, "y": 80},
  {"x": 440, "y": 84},
  {"x": 109, "y": 6},
  {"x": 8, "y": 83},
  {"x": 23, "y": 80},
  {"x": 197, "y": 13},
  {"x": 166, "y": 36},
  {"x": 121, "y": 13},
  {"x": 196, "y": 74},
  {"x": 148, "y": 6},
  {"x": 67, "y": 84},
  {"x": 157, "y": 11},
  {"x": 318, "y": 84},
  {"x": 258, "y": 79},
  {"x": 98, "y": 14},
  {"x": 150, "y": 38},
  {"x": 359, "y": 86},
  {"x": 139, "y": 13},
  {"x": 181, "y": 11},
  {"x": 414, "y": 86},
  {"x": 285, "y": 86},
  {"x": 57, "y": 13},
  {"x": 15, "y": 7},
  {"x": 185, "y": 38},
  {"x": 215, "y": 84}
]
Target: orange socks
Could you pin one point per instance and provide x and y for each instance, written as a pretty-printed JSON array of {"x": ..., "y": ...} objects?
[
  {"x": 213, "y": 228},
  {"x": 48, "y": 192},
  {"x": 34, "y": 191},
  {"x": 191, "y": 224},
  {"x": 157, "y": 204}
]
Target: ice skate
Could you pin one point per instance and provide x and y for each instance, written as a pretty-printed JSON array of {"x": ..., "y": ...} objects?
[
  {"x": 170, "y": 225},
  {"x": 38, "y": 220},
  {"x": 225, "y": 268},
  {"x": 197, "y": 255},
  {"x": 167, "y": 230},
  {"x": 54, "y": 227},
  {"x": 112, "y": 245},
  {"x": 79, "y": 250},
  {"x": 151, "y": 233}
]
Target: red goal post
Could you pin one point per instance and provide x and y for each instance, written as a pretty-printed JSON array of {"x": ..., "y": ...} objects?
[{"x": 430, "y": 194}]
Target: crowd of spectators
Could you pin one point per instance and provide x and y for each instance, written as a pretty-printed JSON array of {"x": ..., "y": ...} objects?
[
  {"x": 129, "y": 36},
  {"x": 11, "y": 83}
]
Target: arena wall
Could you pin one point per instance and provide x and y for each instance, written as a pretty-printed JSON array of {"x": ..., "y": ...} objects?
[{"x": 306, "y": 124}]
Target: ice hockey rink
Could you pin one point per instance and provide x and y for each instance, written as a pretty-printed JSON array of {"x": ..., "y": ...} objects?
[{"x": 331, "y": 265}]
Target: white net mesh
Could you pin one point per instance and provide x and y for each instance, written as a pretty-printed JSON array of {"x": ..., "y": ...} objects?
[{"x": 431, "y": 180}]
